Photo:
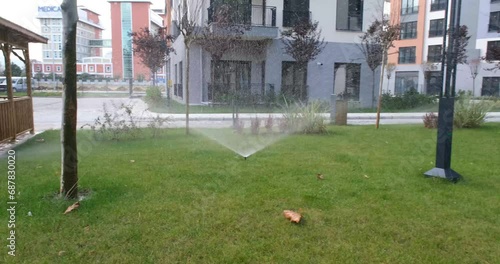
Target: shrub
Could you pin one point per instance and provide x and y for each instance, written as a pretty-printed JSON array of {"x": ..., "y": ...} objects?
[
  {"x": 430, "y": 120},
  {"x": 470, "y": 113},
  {"x": 153, "y": 96},
  {"x": 269, "y": 124},
  {"x": 255, "y": 126},
  {"x": 408, "y": 100},
  {"x": 304, "y": 118}
]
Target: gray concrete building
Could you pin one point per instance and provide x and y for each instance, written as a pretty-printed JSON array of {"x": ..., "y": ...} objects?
[{"x": 260, "y": 66}]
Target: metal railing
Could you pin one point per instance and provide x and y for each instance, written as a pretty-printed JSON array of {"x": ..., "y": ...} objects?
[
  {"x": 246, "y": 14},
  {"x": 248, "y": 94},
  {"x": 409, "y": 10},
  {"x": 292, "y": 18}
]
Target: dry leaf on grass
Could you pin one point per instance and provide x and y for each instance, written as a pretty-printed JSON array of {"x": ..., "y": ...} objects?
[
  {"x": 61, "y": 252},
  {"x": 40, "y": 140},
  {"x": 366, "y": 176},
  {"x": 320, "y": 176},
  {"x": 72, "y": 207},
  {"x": 132, "y": 161},
  {"x": 293, "y": 216}
]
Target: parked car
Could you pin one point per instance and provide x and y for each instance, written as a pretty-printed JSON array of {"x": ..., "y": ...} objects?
[{"x": 18, "y": 84}]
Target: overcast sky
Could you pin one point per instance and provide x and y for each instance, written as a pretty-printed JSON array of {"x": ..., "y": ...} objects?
[{"x": 24, "y": 12}]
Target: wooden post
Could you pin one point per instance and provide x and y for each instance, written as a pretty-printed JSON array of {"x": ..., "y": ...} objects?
[
  {"x": 27, "y": 63},
  {"x": 6, "y": 49}
]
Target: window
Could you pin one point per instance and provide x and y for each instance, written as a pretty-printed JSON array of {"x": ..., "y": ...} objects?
[
  {"x": 38, "y": 69},
  {"x": 493, "y": 50},
  {"x": 351, "y": 20},
  {"x": 407, "y": 55},
  {"x": 347, "y": 80},
  {"x": 437, "y": 5},
  {"x": 293, "y": 80},
  {"x": 91, "y": 68},
  {"x": 434, "y": 53},
  {"x": 58, "y": 68},
  {"x": 491, "y": 86},
  {"x": 405, "y": 81},
  {"x": 409, "y": 30},
  {"x": 494, "y": 25},
  {"x": 409, "y": 7},
  {"x": 48, "y": 68},
  {"x": 434, "y": 82},
  {"x": 295, "y": 11},
  {"x": 108, "y": 68},
  {"x": 436, "y": 28}
]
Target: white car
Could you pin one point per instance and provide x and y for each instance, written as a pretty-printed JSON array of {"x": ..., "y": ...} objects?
[{"x": 18, "y": 84}]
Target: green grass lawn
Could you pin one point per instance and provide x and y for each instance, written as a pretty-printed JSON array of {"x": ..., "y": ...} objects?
[{"x": 186, "y": 199}]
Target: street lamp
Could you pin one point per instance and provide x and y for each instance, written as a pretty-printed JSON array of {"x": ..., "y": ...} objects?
[{"x": 447, "y": 97}]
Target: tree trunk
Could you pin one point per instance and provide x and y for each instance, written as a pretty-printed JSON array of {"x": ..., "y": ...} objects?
[
  {"x": 379, "y": 103},
  {"x": 187, "y": 86},
  {"x": 373, "y": 89},
  {"x": 473, "y": 86},
  {"x": 69, "y": 168}
]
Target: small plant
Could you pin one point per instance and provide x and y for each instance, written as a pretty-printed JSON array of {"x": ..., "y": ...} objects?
[
  {"x": 156, "y": 125},
  {"x": 430, "y": 120},
  {"x": 153, "y": 96},
  {"x": 140, "y": 77},
  {"x": 470, "y": 113},
  {"x": 269, "y": 124},
  {"x": 116, "y": 124},
  {"x": 305, "y": 118},
  {"x": 408, "y": 100},
  {"x": 255, "y": 126}
]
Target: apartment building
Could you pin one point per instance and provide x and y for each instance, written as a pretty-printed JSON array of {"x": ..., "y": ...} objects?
[
  {"x": 129, "y": 16},
  {"x": 89, "y": 29},
  {"x": 260, "y": 66},
  {"x": 417, "y": 55}
]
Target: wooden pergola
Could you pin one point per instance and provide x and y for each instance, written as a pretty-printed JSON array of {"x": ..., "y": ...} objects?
[{"x": 16, "y": 113}]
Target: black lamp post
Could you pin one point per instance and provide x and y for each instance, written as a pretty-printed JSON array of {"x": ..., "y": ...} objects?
[{"x": 447, "y": 96}]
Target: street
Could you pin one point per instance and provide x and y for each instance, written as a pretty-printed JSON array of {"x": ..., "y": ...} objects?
[{"x": 48, "y": 114}]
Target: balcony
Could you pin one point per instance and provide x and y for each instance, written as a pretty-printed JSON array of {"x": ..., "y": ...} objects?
[
  {"x": 409, "y": 10},
  {"x": 292, "y": 18},
  {"x": 260, "y": 19}
]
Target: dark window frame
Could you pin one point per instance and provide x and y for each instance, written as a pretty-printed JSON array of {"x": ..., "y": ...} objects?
[
  {"x": 409, "y": 9},
  {"x": 494, "y": 22},
  {"x": 407, "y": 55},
  {"x": 492, "y": 86},
  {"x": 406, "y": 76},
  {"x": 438, "y": 5},
  {"x": 434, "y": 53},
  {"x": 436, "y": 28},
  {"x": 409, "y": 30},
  {"x": 493, "y": 50},
  {"x": 356, "y": 12}
]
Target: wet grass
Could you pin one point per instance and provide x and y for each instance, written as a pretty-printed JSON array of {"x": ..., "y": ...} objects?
[{"x": 186, "y": 199}]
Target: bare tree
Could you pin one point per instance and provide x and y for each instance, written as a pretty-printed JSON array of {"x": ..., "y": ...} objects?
[
  {"x": 375, "y": 43},
  {"x": 222, "y": 33},
  {"x": 69, "y": 166},
  {"x": 189, "y": 29},
  {"x": 303, "y": 42},
  {"x": 152, "y": 48},
  {"x": 474, "y": 67}
]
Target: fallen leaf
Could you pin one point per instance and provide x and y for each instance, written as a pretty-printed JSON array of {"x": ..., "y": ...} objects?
[
  {"x": 40, "y": 140},
  {"x": 72, "y": 207},
  {"x": 293, "y": 216},
  {"x": 87, "y": 229},
  {"x": 132, "y": 161},
  {"x": 320, "y": 176},
  {"x": 30, "y": 214},
  {"x": 61, "y": 253},
  {"x": 366, "y": 176}
]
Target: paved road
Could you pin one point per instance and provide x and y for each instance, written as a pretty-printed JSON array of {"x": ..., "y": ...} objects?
[{"x": 48, "y": 114}]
